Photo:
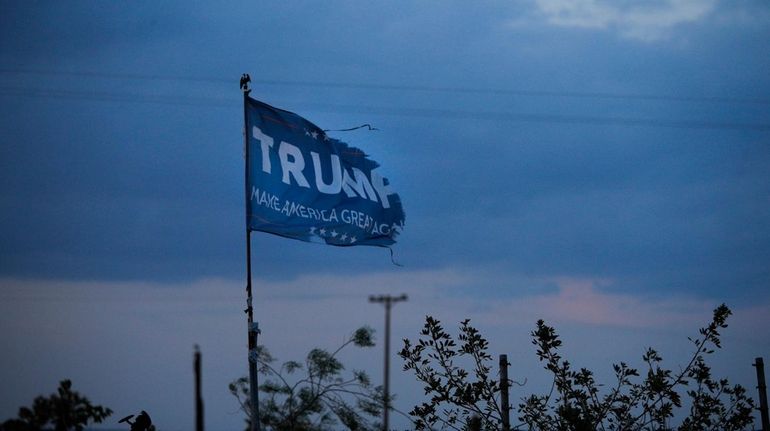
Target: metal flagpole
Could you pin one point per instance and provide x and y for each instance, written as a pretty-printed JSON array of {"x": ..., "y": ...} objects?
[{"x": 253, "y": 327}]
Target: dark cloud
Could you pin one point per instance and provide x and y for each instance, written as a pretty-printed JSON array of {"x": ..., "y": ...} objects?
[{"x": 624, "y": 169}]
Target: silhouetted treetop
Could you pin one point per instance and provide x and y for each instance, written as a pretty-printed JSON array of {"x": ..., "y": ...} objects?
[{"x": 66, "y": 410}]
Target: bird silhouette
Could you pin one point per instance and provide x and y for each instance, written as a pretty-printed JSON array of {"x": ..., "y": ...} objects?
[
  {"x": 141, "y": 423},
  {"x": 245, "y": 79}
]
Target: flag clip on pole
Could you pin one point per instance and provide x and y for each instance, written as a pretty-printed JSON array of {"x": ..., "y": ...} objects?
[{"x": 253, "y": 327}]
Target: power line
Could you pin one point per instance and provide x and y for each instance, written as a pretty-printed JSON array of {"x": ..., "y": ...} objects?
[
  {"x": 393, "y": 87},
  {"x": 118, "y": 75},
  {"x": 540, "y": 118},
  {"x": 105, "y": 96},
  {"x": 389, "y": 111}
]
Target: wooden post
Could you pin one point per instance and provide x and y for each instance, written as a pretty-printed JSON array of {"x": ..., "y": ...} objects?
[
  {"x": 760, "y": 365},
  {"x": 198, "y": 396},
  {"x": 505, "y": 406}
]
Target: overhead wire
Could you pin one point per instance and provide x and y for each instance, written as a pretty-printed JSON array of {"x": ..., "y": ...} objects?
[
  {"x": 111, "y": 96},
  {"x": 102, "y": 96},
  {"x": 394, "y": 87}
]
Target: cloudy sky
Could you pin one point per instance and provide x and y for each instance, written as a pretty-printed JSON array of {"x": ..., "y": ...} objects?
[{"x": 599, "y": 164}]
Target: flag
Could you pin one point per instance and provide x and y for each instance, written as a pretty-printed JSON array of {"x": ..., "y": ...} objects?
[{"x": 303, "y": 184}]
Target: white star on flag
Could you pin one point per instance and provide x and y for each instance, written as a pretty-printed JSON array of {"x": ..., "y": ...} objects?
[
  {"x": 307, "y": 132},
  {"x": 334, "y": 234},
  {"x": 344, "y": 237},
  {"x": 314, "y": 134},
  {"x": 353, "y": 239},
  {"x": 322, "y": 232}
]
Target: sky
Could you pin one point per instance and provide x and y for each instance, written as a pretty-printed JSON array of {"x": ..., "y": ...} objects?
[{"x": 599, "y": 164}]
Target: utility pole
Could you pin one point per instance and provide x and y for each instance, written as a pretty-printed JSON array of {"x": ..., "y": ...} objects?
[
  {"x": 198, "y": 396},
  {"x": 388, "y": 301},
  {"x": 759, "y": 363}
]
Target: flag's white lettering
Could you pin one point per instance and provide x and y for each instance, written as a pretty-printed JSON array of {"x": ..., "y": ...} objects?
[
  {"x": 293, "y": 166},
  {"x": 352, "y": 181},
  {"x": 350, "y": 217},
  {"x": 266, "y": 143},
  {"x": 334, "y": 187},
  {"x": 378, "y": 181},
  {"x": 358, "y": 185}
]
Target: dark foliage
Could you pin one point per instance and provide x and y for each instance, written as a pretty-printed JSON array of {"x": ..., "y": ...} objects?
[
  {"x": 65, "y": 410},
  {"x": 637, "y": 400},
  {"x": 316, "y": 395},
  {"x": 457, "y": 399}
]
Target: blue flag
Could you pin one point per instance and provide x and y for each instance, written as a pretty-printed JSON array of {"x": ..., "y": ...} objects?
[{"x": 302, "y": 184}]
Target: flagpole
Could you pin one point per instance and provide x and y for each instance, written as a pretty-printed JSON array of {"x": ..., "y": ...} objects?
[{"x": 253, "y": 327}]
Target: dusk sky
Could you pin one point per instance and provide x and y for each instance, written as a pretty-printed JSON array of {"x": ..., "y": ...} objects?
[{"x": 603, "y": 165}]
